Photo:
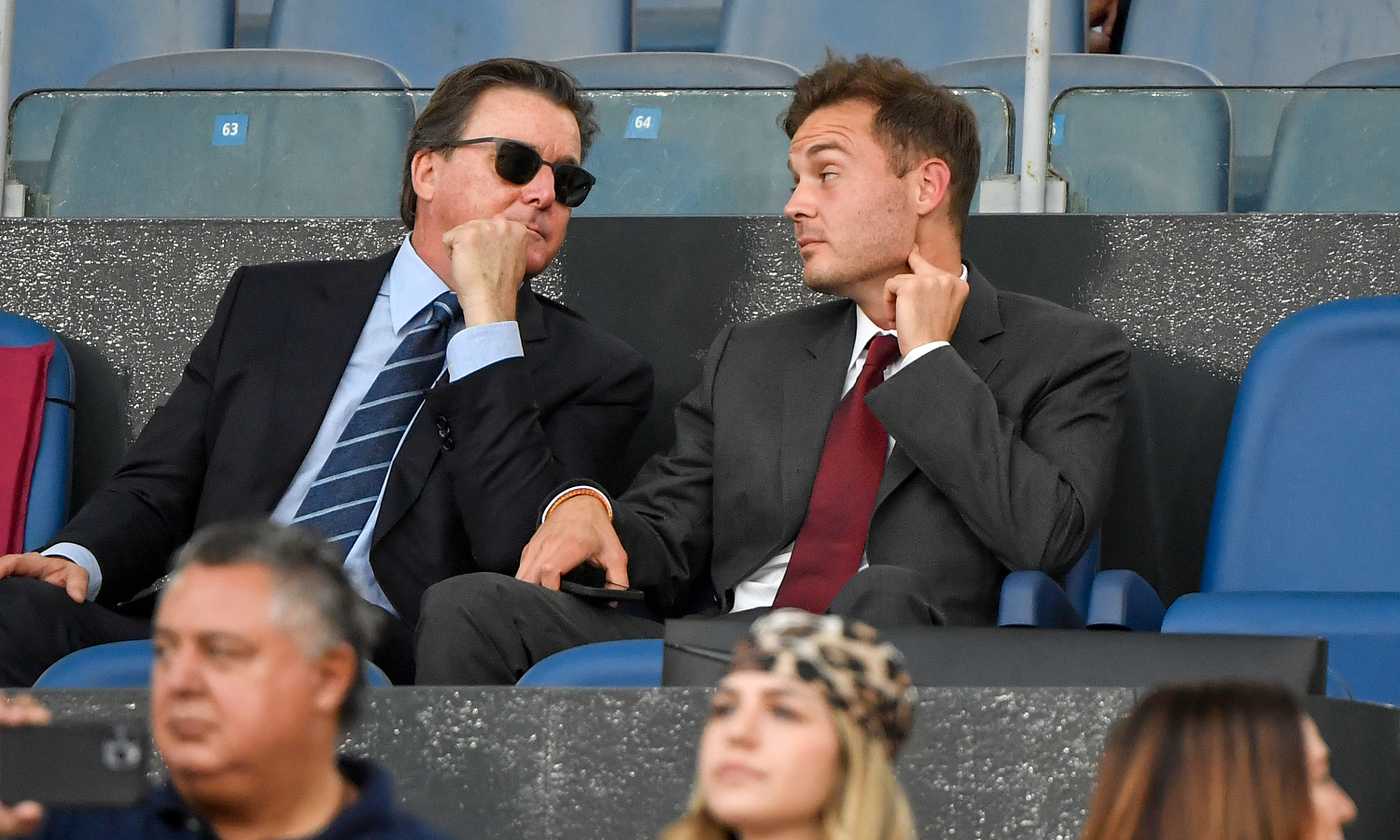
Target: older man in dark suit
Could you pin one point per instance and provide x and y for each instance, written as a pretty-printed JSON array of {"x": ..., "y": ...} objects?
[
  {"x": 890, "y": 455},
  {"x": 411, "y": 408}
]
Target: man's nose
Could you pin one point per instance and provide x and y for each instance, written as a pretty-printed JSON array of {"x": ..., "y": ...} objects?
[
  {"x": 540, "y": 190},
  {"x": 798, "y": 206},
  {"x": 178, "y": 671}
]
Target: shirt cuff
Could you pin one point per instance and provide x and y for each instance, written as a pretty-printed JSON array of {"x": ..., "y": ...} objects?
[
  {"x": 84, "y": 558},
  {"x": 476, "y": 347},
  {"x": 577, "y": 490},
  {"x": 918, "y": 353}
]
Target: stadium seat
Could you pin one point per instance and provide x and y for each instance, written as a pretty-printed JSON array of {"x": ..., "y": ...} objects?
[
  {"x": 688, "y": 70},
  {"x": 1034, "y": 599},
  {"x": 1266, "y": 42},
  {"x": 51, "y": 478},
  {"x": 1007, "y": 74},
  {"x": 427, "y": 39},
  {"x": 1304, "y": 536},
  {"x": 250, "y": 69},
  {"x": 1378, "y": 71},
  {"x": 1337, "y": 151},
  {"x": 1142, "y": 151},
  {"x": 61, "y": 44},
  {"x": 924, "y": 34},
  {"x": 128, "y": 665},
  {"x": 631, "y": 663},
  {"x": 255, "y": 154}
]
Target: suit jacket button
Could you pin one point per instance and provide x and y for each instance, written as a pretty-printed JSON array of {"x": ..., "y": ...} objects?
[{"x": 448, "y": 442}]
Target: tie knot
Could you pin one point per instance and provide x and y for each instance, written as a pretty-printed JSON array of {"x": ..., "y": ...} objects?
[
  {"x": 884, "y": 349},
  {"x": 444, "y": 309}
]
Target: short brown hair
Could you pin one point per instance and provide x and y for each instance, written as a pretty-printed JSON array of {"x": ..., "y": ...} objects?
[
  {"x": 451, "y": 107},
  {"x": 914, "y": 118},
  {"x": 1221, "y": 761}
]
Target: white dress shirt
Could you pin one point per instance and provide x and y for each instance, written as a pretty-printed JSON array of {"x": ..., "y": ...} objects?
[
  {"x": 761, "y": 588},
  {"x": 408, "y": 289}
]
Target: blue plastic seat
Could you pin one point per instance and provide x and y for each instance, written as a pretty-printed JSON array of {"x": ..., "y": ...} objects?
[
  {"x": 253, "y": 154},
  {"x": 685, "y": 70},
  {"x": 631, "y": 663},
  {"x": 1143, "y": 150},
  {"x": 922, "y": 33},
  {"x": 1337, "y": 151},
  {"x": 1007, "y": 74},
  {"x": 128, "y": 665},
  {"x": 427, "y": 39},
  {"x": 51, "y": 479},
  {"x": 61, "y": 44},
  {"x": 1034, "y": 599},
  {"x": 250, "y": 69},
  {"x": 1267, "y": 42},
  {"x": 1304, "y": 539},
  {"x": 1377, "y": 71}
]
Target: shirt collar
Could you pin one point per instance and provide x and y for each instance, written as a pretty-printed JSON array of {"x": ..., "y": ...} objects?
[
  {"x": 866, "y": 330},
  {"x": 412, "y": 285}
]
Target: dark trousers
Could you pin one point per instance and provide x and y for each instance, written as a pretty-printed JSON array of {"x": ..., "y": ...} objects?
[
  {"x": 488, "y": 629},
  {"x": 40, "y": 624}
]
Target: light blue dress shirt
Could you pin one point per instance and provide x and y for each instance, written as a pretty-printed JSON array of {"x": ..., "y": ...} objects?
[{"x": 408, "y": 289}]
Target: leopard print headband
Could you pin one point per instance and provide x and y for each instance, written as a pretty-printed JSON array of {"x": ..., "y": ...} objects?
[{"x": 858, "y": 674}]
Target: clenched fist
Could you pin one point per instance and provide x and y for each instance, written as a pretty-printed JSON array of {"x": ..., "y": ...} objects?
[
  {"x": 925, "y": 304},
  {"x": 488, "y": 264}
]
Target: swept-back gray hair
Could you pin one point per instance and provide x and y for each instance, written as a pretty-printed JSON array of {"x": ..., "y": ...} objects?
[{"x": 313, "y": 598}]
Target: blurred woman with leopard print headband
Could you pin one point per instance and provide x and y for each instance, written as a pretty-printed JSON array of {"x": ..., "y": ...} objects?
[{"x": 802, "y": 737}]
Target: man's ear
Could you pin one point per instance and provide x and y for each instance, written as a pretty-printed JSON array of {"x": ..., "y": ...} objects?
[
  {"x": 931, "y": 182},
  {"x": 425, "y": 171},
  {"x": 337, "y": 669}
]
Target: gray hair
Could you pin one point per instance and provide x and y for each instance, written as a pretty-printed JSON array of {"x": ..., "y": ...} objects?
[{"x": 313, "y": 598}]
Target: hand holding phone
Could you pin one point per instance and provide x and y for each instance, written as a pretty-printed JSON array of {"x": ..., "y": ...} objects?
[
  {"x": 20, "y": 818},
  {"x": 67, "y": 764}
]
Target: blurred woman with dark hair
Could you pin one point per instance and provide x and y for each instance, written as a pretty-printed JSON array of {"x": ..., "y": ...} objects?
[
  {"x": 802, "y": 737},
  {"x": 1223, "y": 761}
]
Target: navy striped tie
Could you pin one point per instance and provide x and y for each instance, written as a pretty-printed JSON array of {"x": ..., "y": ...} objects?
[{"x": 345, "y": 491}]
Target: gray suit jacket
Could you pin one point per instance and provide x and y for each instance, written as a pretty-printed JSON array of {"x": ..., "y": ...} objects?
[{"x": 1004, "y": 453}]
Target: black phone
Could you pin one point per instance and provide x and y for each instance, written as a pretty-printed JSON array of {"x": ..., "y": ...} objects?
[
  {"x": 74, "y": 764},
  {"x": 601, "y": 593}
]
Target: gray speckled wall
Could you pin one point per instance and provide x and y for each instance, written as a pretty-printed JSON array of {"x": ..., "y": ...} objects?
[
  {"x": 982, "y": 763},
  {"x": 539, "y": 763},
  {"x": 1193, "y": 293}
]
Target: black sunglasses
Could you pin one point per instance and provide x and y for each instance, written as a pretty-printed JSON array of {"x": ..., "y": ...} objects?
[{"x": 517, "y": 163}]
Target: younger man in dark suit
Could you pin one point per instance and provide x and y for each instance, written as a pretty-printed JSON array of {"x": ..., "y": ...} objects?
[
  {"x": 411, "y": 408},
  {"x": 890, "y": 455}
]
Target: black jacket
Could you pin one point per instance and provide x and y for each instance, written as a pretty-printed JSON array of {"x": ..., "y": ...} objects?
[{"x": 464, "y": 487}]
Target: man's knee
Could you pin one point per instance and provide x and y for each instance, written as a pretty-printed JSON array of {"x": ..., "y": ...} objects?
[
  {"x": 476, "y": 594},
  {"x": 27, "y": 604},
  {"x": 886, "y": 596},
  {"x": 892, "y": 580}
]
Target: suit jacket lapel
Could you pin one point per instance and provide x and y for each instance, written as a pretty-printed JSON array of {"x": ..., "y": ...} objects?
[
  {"x": 316, "y": 350},
  {"x": 974, "y": 341},
  {"x": 421, "y": 448},
  {"x": 811, "y": 384}
]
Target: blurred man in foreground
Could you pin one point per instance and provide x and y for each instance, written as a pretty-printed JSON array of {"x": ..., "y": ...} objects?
[{"x": 259, "y": 640}]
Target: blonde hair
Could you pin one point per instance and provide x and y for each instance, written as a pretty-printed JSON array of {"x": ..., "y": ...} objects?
[{"x": 868, "y": 803}]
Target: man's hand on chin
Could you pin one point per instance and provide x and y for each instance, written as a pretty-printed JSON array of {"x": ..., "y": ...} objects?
[
  {"x": 488, "y": 264},
  {"x": 926, "y": 303},
  {"x": 576, "y": 531}
]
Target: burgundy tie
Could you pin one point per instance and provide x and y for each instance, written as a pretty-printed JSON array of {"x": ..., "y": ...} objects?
[{"x": 832, "y": 538}]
